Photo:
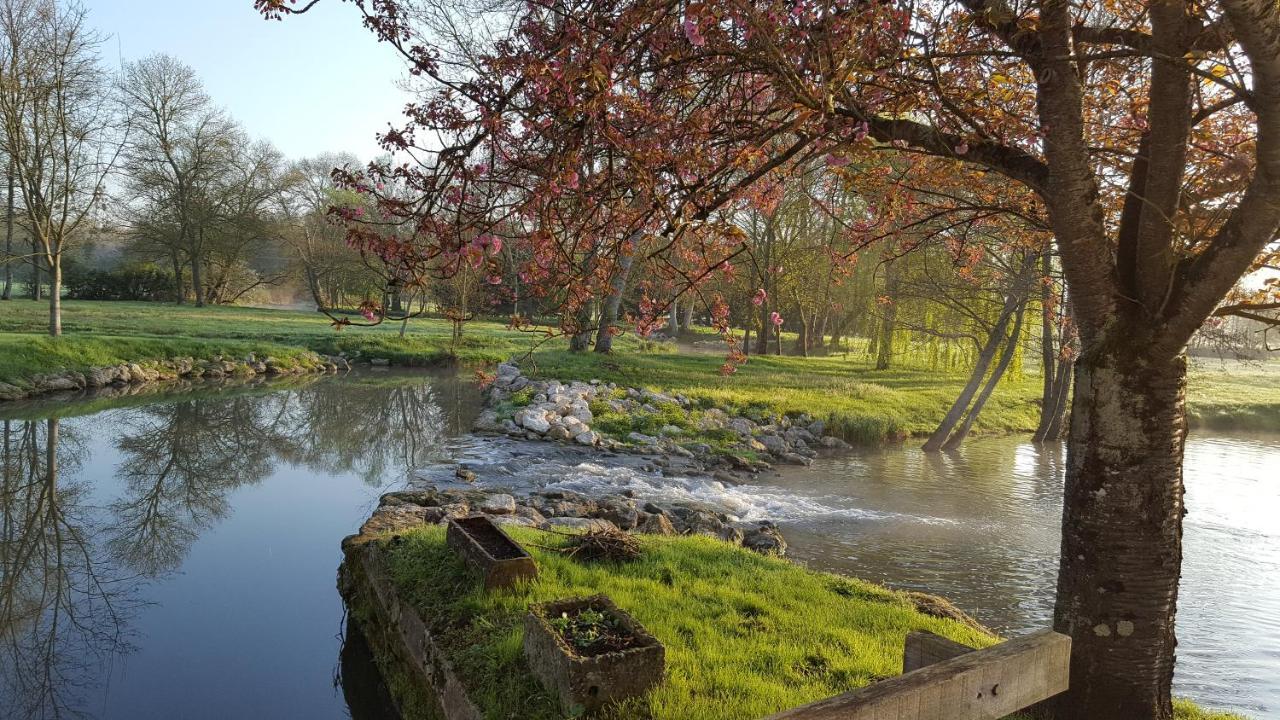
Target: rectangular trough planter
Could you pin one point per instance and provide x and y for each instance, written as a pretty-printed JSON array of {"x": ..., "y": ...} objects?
[
  {"x": 586, "y": 682},
  {"x": 500, "y": 560}
]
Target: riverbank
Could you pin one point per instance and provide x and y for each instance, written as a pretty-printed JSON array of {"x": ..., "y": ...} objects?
[
  {"x": 857, "y": 402},
  {"x": 745, "y": 635}
]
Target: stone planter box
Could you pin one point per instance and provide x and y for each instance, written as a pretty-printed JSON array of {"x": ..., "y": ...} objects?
[
  {"x": 585, "y": 684},
  {"x": 500, "y": 560}
]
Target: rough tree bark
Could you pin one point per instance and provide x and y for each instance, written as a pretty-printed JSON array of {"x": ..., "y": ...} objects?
[
  {"x": 1006, "y": 357},
  {"x": 8, "y": 239},
  {"x": 609, "y": 313}
]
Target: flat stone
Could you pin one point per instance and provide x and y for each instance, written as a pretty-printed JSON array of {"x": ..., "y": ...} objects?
[
  {"x": 583, "y": 524},
  {"x": 501, "y": 504}
]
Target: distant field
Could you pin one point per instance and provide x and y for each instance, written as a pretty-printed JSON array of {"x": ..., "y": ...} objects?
[{"x": 863, "y": 403}]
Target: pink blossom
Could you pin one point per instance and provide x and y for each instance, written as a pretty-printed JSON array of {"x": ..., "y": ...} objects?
[
  {"x": 495, "y": 279},
  {"x": 962, "y": 148},
  {"x": 861, "y": 131},
  {"x": 760, "y": 297},
  {"x": 693, "y": 33},
  {"x": 368, "y": 314},
  {"x": 571, "y": 180},
  {"x": 775, "y": 318},
  {"x": 358, "y": 212}
]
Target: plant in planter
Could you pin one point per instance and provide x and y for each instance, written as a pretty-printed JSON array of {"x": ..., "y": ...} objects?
[
  {"x": 590, "y": 653},
  {"x": 488, "y": 549}
]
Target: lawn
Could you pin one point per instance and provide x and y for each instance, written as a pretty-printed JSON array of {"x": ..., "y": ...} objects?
[
  {"x": 860, "y": 403},
  {"x": 745, "y": 635}
]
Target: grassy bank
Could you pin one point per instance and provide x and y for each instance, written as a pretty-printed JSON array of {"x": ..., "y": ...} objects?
[
  {"x": 746, "y": 635},
  {"x": 861, "y": 403}
]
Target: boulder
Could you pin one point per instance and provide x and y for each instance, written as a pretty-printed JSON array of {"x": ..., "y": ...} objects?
[
  {"x": 11, "y": 392},
  {"x": 655, "y": 524},
  {"x": 501, "y": 504},
  {"x": 774, "y": 444},
  {"x": 765, "y": 540},
  {"x": 586, "y": 437},
  {"x": 742, "y": 426},
  {"x": 534, "y": 420},
  {"x": 559, "y": 432}
]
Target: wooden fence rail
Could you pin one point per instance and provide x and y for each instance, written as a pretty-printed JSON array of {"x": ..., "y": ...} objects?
[{"x": 944, "y": 680}]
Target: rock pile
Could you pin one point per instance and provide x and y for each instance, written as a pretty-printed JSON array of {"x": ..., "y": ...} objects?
[
  {"x": 563, "y": 412},
  {"x": 557, "y": 509}
]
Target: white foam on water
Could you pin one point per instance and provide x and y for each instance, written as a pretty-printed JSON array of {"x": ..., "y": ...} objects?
[{"x": 744, "y": 502}]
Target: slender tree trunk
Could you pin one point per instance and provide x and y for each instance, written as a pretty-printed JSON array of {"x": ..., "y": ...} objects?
[
  {"x": 884, "y": 354},
  {"x": 673, "y": 318},
  {"x": 609, "y": 312},
  {"x": 1006, "y": 357},
  {"x": 36, "y": 293},
  {"x": 55, "y": 297},
  {"x": 762, "y": 337},
  {"x": 179, "y": 286},
  {"x": 1048, "y": 351},
  {"x": 1122, "y": 530},
  {"x": 8, "y": 240},
  {"x": 686, "y": 323},
  {"x": 1061, "y": 401},
  {"x": 985, "y": 356},
  {"x": 197, "y": 282}
]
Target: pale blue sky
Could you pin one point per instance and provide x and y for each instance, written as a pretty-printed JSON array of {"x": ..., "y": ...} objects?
[{"x": 313, "y": 83}]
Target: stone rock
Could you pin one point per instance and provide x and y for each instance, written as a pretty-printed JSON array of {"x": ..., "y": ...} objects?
[
  {"x": 397, "y": 518},
  {"x": 380, "y": 362},
  {"x": 765, "y": 540},
  {"x": 818, "y": 428},
  {"x": 620, "y": 512},
  {"x": 731, "y": 534},
  {"x": 774, "y": 444},
  {"x": 583, "y": 524},
  {"x": 699, "y": 522},
  {"x": 671, "y": 430},
  {"x": 500, "y": 504},
  {"x": 54, "y": 383},
  {"x": 507, "y": 372},
  {"x": 559, "y": 432},
  {"x": 536, "y": 518},
  {"x": 514, "y": 520},
  {"x": 795, "y": 458},
  {"x": 642, "y": 439},
  {"x": 581, "y": 412},
  {"x": 534, "y": 420},
  {"x": 11, "y": 392},
  {"x": 655, "y": 524},
  {"x": 465, "y": 475},
  {"x": 586, "y": 437},
  {"x": 487, "y": 421},
  {"x": 742, "y": 426},
  {"x": 797, "y": 436},
  {"x": 832, "y": 442},
  {"x": 455, "y": 510}
]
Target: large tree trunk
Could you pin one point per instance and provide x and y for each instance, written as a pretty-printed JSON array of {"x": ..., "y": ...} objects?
[
  {"x": 1048, "y": 349},
  {"x": 179, "y": 286},
  {"x": 1122, "y": 531},
  {"x": 609, "y": 312},
  {"x": 1062, "y": 402},
  {"x": 673, "y": 318},
  {"x": 55, "y": 297}
]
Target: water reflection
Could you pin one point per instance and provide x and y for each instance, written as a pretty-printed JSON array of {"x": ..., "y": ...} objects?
[{"x": 99, "y": 513}]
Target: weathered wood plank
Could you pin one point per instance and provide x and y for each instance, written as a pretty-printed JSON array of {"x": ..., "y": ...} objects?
[
  {"x": 978, "y": 685},
  {"x": 922, "y": 649}
]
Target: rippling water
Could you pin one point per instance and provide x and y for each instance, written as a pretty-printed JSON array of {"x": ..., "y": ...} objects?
[{"x": 174, "y": 556}]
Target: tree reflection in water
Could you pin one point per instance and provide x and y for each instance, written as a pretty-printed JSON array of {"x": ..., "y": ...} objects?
[{"x": 73, "y": 573}]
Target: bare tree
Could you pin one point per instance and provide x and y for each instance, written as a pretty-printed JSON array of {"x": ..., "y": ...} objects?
[
  {"x": 182, "y": 145},
  {"x": 59, "y": 126}
]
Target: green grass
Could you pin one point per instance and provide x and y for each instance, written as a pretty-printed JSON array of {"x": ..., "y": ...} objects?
[
  {"x": 860, "y": 403},
  {"x": 746, "y": 635},
  {"x": 857, "y": 401}
]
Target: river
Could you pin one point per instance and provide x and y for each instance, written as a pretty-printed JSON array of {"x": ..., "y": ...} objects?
[{"x": 174, "y": 554}]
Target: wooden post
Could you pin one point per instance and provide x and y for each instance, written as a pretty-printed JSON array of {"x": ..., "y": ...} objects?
[
  {"x": 978, "y": 685},
  {"x": 923, "y": 649}
]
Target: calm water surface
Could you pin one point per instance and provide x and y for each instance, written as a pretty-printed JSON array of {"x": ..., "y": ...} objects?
[{"x": 176, "y": 558}]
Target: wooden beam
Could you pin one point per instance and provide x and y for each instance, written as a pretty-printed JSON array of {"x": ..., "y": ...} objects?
[
  {"x": 979, "y": 685},
  {"x": 923, "y": 648}
]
